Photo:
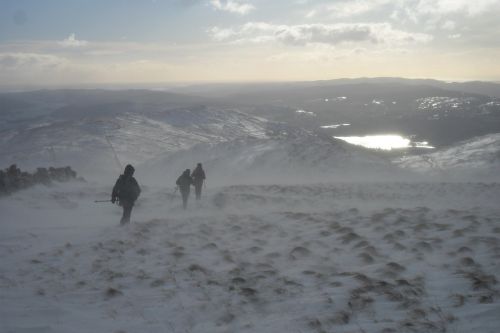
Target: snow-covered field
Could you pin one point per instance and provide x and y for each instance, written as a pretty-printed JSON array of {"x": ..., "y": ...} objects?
[{"x": 340, "y": 257}]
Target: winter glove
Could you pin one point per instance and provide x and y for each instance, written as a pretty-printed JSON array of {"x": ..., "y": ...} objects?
[{"x": 113, "y": 200}]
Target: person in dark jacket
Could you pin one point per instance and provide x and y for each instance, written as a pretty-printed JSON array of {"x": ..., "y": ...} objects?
[
  {"x": 184, "y": 183},
  {"x": 198, "y": 176},
  {"x": 126, "y": 190}
]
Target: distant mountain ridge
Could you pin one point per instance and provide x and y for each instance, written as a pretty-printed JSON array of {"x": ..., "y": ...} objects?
[
  {"x": 26, "y": 105},
  {"x": 224, "y": 90}
]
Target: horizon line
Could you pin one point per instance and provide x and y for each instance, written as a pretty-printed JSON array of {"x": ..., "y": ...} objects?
[{"x": 176, "y": 84}]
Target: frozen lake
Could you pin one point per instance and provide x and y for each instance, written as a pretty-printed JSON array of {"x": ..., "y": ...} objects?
[{"x": 384, "y": 142}]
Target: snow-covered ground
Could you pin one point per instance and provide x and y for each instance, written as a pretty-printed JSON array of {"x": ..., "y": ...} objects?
[{"x": 337, "y": 257}]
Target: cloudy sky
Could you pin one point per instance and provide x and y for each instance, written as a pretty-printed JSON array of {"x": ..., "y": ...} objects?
[{"x": 58, "y": 42}]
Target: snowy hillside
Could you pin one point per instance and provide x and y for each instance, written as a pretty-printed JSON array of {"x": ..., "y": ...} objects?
[
  {"x": 288, "y": 156},
  {"x": 345, "y": 257},
  {"x": 87, "y": 136},
  {"x": 476, "y": 157}
]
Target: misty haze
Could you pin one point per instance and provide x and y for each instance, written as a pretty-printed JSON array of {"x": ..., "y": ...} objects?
[{"x": 221, "y": 166}]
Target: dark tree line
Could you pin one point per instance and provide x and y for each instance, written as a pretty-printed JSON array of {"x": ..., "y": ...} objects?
[{"x": 12, "y": 179}]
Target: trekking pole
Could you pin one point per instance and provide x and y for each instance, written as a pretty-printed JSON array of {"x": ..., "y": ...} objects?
[
  {"x": 117, "y": 160},
  {"x": 96, "y": 201}
]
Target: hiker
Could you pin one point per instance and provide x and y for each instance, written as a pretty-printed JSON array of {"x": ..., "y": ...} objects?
[
  {"x": 184, "y": 183},
  {"x": 126, "y": 190},
  {"x": 198, "y": 176}
]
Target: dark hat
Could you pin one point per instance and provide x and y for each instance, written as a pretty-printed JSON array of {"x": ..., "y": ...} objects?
[{"x": 129, "y": 169}]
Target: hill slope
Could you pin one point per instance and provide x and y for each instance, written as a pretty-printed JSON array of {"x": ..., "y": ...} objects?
[
  {"x": 87, "y": 129},
  {"x": 288, "y": 156},
  {"x": 476, "y": 157}
]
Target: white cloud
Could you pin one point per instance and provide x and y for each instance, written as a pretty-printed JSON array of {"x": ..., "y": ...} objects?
[
  {"x": 220, "y": 34},
  {"x": 32, "y": 68},
  {"x": 71, "y": 41},
  {"x": 429, "y": 14},
  {"x": 356, "y": 7},
  {"x": 329, "y": 34},
  {"x": 232, "y": 6},
  {"x": 449, "y": 25},
  {"x": 15, "y": 61},
  {"x": 311, "y": 13},
  {"x": 434, "y": 12},
  {"x": 468, "y": 7},
  {"x": 318, "y": 53},
  {"x": 350, "y": 8},
  {"x": 46, "y": 69}
]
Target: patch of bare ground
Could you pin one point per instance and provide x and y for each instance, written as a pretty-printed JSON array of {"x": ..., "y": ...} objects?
[
  {"x": 349, "y": 237},
  {"x": 366, "y": 258},
  {"x": 483, "y": 285},
  {"x": 408, "y": 294},
  {"x": 391, "y": 270},
  {"x": 464, "y": 249},
  {"x": 423, "y": 246},
  {"x": 299, "y": 252},
  {"x": 399, "y": 247}
]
